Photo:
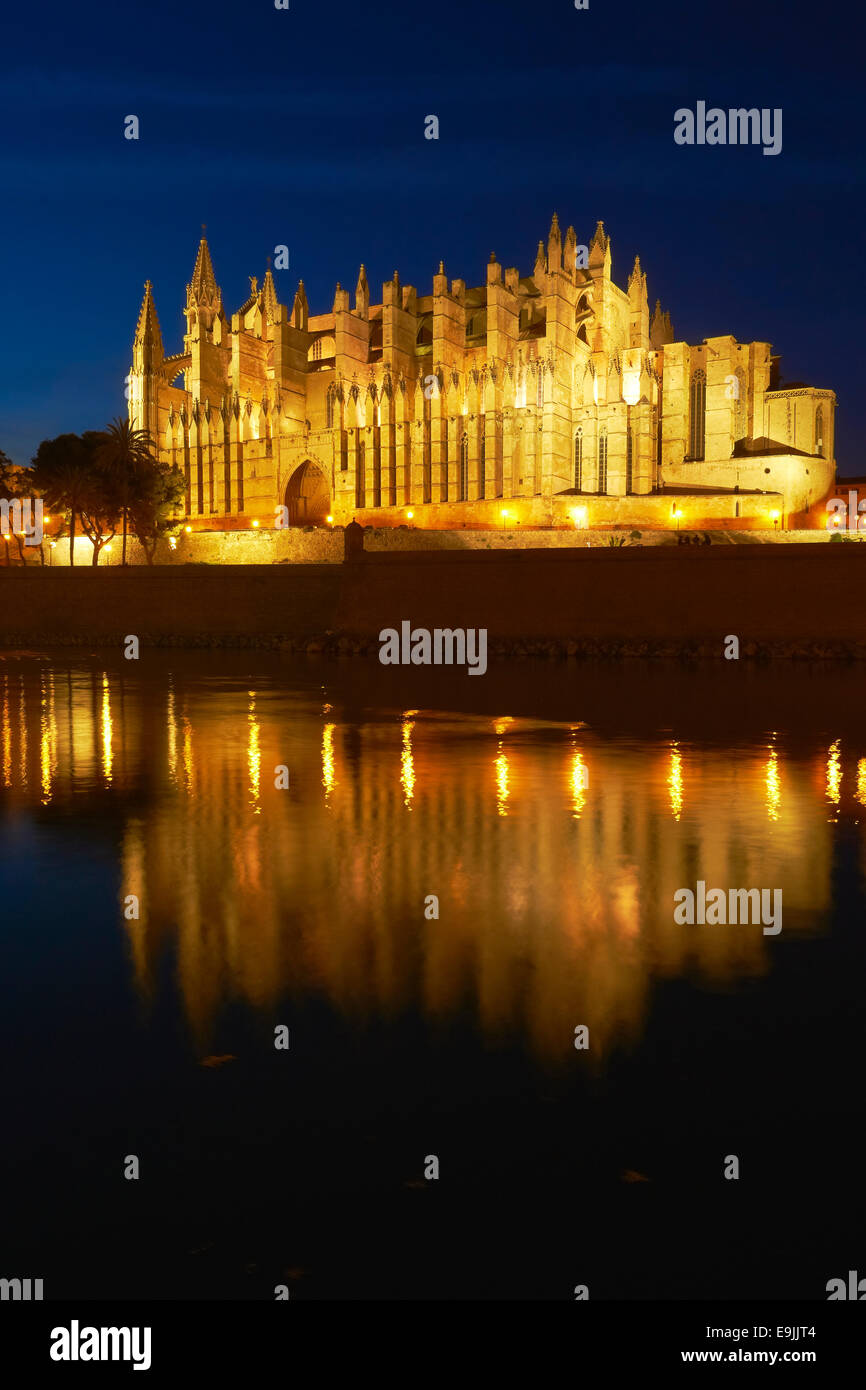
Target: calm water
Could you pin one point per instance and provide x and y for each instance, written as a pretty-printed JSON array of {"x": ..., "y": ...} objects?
[{"x": 554, "y": 811}]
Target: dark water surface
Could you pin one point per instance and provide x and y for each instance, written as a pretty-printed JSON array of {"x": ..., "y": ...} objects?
[{"x": 554, "y": 810}]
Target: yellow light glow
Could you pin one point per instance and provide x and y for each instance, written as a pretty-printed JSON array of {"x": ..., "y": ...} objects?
[
  {"x": 631, "y": 387},
  {"x": 254, "y": 757},
  {"x": 410, "y": 515},
  {"x": 107, "y": 759},
  {"x": 171, "y": 726},
  {"x": 172, "y": 542},
  {"x": 330, "y": 520},
  {"x": 407, "y": 765},
  {"x": 579, "y": 516},
  {"x": 187, "y": 529},
  {"x": 255, "y": 523},
  {"x": 502, "y": 788},
  {"x": 52, "y": 545},
  {"x": 504, "y": 515},
  {"x": 677, "y": 512},
  {"x": 329, "y": 778},
  {"x": 675, "y": 782},
  {"x": 775, "y": 515},
  {"x": 7, "y": 735},
  {"x": 861, "y": 781},
  {"x": 834, "y": 772},
  {"x": 579, "y": 783},
  {"x": 774, "y": 785},
  {"x": 46, "y": 724},
  {"x": 22, "y": 736},
  {"x": 188, "y": 767}
]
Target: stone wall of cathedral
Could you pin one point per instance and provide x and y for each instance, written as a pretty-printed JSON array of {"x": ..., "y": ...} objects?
[{"x": 529, "y": 397}]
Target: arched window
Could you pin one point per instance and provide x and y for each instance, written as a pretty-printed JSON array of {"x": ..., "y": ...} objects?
[
  {"x": 819, "y": 431},
  {"x": 539, "y": 390},
  {"x": 463, "y": 469},
  {"x": 602, "y": 460},
  {"x": 426, "y": 453},
  {"x": 740, "y": 405},
  {"x": 629, "y": 459},
  {"x": 578, "y": 460},
  {"x": 581, "y": 333},
  {"x": 697, "y": 415},
  {"x": 360, "y": 475},
  {"x": 316, "y": 351}
]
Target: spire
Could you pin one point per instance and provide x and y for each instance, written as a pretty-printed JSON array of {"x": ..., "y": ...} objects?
[
  {"x": 203, "y": 284},
  {"x": 362, "y": 294},
  {"x": 554, "y": 246},
  {"x": 540, "y": 262},
  {"x": 148, "y": 349},
  {"x": 600, "y": 237},
  {"x": 203, "y": 296},
  {"x": 599, "y": 251},
  {"x": 661, "y": 331},
  {"x": 569, "y": 251},
  {"x": 269, "y": 295},
  {"x": 636, "y": 271},
  {"x": 300, "y": 308}
]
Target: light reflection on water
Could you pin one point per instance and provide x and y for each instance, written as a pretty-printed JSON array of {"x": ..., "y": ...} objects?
[{"x": 554, "y": 850}]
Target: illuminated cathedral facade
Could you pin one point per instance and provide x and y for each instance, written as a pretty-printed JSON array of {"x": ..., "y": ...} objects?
[{"x": 551, "y": 398}]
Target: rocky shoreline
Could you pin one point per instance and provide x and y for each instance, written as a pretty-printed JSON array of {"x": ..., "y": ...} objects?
[{"x": 332, "y": 644}]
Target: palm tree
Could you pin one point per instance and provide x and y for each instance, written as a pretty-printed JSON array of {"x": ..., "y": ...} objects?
[
  {"x": 63, "y": 473},
  {"x": 125, "y": 455}
]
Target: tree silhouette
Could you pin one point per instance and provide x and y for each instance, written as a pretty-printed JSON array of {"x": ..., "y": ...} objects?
[
  {"x": 63, "y": 474},
  {"x": 127, "y": 458}
]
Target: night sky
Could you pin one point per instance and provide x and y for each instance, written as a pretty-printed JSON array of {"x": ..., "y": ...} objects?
[{"x": 306, "y": 128}]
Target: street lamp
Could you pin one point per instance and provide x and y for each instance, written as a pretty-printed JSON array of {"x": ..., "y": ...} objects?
[{"x": 775, "y": 516}]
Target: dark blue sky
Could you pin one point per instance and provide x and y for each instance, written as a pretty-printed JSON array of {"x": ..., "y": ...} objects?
[{"x": 306, "y": 127}]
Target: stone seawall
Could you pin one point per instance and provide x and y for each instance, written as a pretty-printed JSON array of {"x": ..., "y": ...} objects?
[
  {"x": 778, "y": 600},
  {"x": 324, "y": 546}
]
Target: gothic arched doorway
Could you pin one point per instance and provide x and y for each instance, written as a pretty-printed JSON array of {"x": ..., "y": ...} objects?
[{"x": 307, "y": 496}]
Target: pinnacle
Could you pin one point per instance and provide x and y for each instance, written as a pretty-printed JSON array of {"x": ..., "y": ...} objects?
[
  {"x": 147, "y": 330},
  {"x": 203, "y": 286}
]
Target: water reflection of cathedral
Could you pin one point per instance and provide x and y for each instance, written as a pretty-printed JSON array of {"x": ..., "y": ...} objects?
[{"x": 554, "y": 854}]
